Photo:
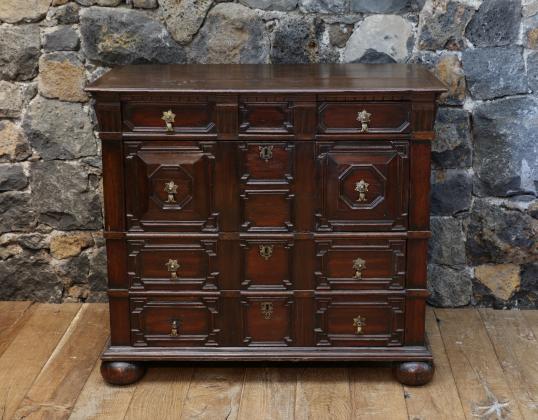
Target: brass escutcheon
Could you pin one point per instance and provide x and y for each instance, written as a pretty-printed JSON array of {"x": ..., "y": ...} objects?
[
  {"x": 266, "y": 251},
  {"x": 358, "y": 265},
  {"x": 172, "y": 266},
  {"x": 364, "y": 118},
  {"x": 362, "y": 188},
  {"x": 267, "y": 309},
  {"x": 358, "y": 323},
  {"x": 170, "y": 188},
  {"x": 175, "y": 326},
  {"x": 266, "y": 152},
  {"x": 169, "y": 117}
]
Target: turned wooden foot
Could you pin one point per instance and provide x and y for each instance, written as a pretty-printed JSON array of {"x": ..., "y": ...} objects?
[
  {"x": 413, "y": 373},
  {"x": 122, "y": 373}
]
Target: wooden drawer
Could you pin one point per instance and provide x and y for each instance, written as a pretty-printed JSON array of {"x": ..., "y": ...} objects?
[
  {"x": 169, "y": 186},
  {"x": 175, "y": 321},
  {"x": 359, "y": 320},
  {"x": 343, "y": 117},
  {"x": 197, "y": 117},
  {"x": 173, "y": 264},
  {"x": 362, "y": 185},
  {"x": 269, "y": 117},
  {"x": 268, "y": 320},
  {"x": 360, "y": 264},
  {"x": 267, "y": 162}
]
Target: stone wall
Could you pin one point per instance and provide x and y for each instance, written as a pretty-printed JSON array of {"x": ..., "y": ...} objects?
[{"x": 484, "y": 207}]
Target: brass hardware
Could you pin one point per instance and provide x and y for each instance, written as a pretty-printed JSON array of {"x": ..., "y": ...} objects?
[
  {"x": 358, "y": 323},
  {"x": 364, "y": 118},
  {"x": 172, "y": 266},
  {"x": 358, "y": 265},
  {"x": 169, "y": 117},
  {"x": 170, "y": 188},
  {"x": 266, "y": 251},
  {"x": 267, "y": 309},
  {"x": 362, "y": 188},
  {"x": 266, "y": 152},
  {"x": 175, "y": 326}
]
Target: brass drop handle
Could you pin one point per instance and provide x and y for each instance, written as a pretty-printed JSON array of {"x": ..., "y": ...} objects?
[
  {"x": 169, "y": 118},
  {"x": 172, "y": 266},
  {"x": 266, "y": 152},
  {"x": 358, "y": 265},
  {"x": 364, "y": 118},
  {"x": 362, "y": 188},
  {"x": 173, "y": 330},
  {"x": 266, "y": 309},
  {"x": 266, "y": 251},
  {"x": 359, "y": 322},
  {"x": 170, "y": 188}
]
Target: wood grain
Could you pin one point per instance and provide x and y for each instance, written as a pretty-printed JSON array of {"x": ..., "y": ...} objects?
[
  {"x": 516, "y": 347},
  {"x": 439, "y": 399},
  {"x": 323, "y": 393},
  {"x": 161, "y": 394},
  {"x": 478, "y": 375},
  {"x": 12, "y": 317},
  {"x": 59, "y": 383},
  {"x": 29, "y": 351},
  {"x": 269, "y": 392}
]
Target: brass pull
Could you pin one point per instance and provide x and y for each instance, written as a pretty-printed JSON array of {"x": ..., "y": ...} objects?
[
  {"x": 358, "y": 265},
  {"x": 266, "y": 251},
  {"x": 364, "y": 118},
  {"x": 266, "y": 309},
  {"x": 266, "y": 152},
  {"x": 170, "y": 188},
  {"x": 169, "y": 118},
  {"x": 175, "y": 326},
  {"x": 362, "y": 188},
  {"x": 172, "y": 266},
  {"x": 358, "y": 323}
]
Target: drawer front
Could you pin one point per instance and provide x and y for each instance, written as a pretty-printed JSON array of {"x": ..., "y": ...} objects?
[
  {"x": 265, "y": 117},
  {"x": 169, "y": 186},
  {"x": 360, "y": 264},
  {"x": 359, "y": 320},
  {"x": 267, "y": 264},
  {"x": 175, "y": 321},
  {"x": 362, "y": 186},
  {"x": 191, "y": 118},
  {"x": 346, "y": 117},
  {"x": 173, "y": 264},
  {"x": 268, "y": 320},
  {"x": 266, "y": 162}
]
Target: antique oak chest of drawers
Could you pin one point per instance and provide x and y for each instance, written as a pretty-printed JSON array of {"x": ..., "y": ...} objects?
[{"x": 266, "y": 213}]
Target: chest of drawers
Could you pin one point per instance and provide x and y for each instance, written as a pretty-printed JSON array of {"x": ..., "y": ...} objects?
[{"x": 266, "y": 212}]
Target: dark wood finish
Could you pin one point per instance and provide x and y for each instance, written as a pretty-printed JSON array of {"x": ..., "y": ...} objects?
[
  {"x": 122, "y": 373},
  {"x": 414, "y": 373},
  {"x": 236, "y": 233}
]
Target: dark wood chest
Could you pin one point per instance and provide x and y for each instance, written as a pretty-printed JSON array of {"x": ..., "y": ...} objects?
[{"x": 266, "y": 212}]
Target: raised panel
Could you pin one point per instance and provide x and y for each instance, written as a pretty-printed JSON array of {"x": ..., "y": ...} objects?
[
  {"x": 267, "y": 162},
  {"x": 381, "y": 320},
  {"x": 382, "y": 264},
  {"x": 173, "y": 264},
  {"x": 175, "y": 321},
  {"x": 267, "y": 210},
  {"x": 170, "y": 186},
  {"x": 266, "y": 118},
  {"x": 363, "y": 186}
]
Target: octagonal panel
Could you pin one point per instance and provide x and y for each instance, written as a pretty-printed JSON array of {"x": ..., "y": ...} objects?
[
  {"x": 171, "y": 187},
  {"x": 362, "y": 186}
]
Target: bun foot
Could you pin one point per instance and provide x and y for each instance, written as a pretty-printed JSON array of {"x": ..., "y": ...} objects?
[
  {"x": 413, "y": 373},
  {"x": 122, "y": 373}
]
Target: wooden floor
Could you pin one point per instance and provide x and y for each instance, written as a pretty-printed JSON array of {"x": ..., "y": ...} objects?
[{"x": 486, "y": 361}]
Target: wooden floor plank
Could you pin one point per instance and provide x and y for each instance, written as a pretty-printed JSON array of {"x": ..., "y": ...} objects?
[
  {"x": 161, "y": 394},
  {"x": 29, "y": 351},
  {"x": 214, "y": 393},
  {"x": 439, "y": 399},
  {"x": 517, "y": 350},
  {"x": 12, "y": 317},
  {"x": 480, "y": 379},
  {"x": 375, "y": 394},
  {"x": 323, "y": 393},
  {"x": 56, "y": 389},
  {"x": 99, "y": 400},
  {"x": 269, "y": 392}
]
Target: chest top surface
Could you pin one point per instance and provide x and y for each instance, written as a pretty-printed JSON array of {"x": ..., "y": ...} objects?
[{"x": 222, "y": 78}]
